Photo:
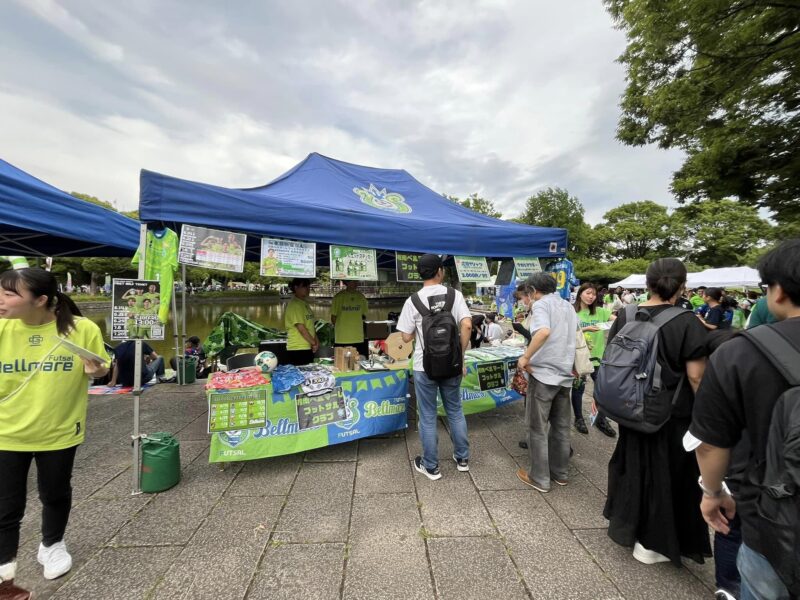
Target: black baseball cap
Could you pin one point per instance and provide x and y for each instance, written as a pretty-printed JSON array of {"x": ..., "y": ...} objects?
[{"x": 428, "y": 265}]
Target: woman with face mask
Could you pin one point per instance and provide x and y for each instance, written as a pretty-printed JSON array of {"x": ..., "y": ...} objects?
[{"x": 43, "y": 403}]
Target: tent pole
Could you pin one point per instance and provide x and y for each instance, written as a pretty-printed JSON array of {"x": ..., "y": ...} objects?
[
  {"x": 137, "y": 372},
  {"x": 178, "y": 353},
  {"x": 184, "y": 307}
]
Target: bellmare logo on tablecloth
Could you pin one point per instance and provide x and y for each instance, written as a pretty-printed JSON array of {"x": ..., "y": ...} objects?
[{"x": 382, "y": 200}]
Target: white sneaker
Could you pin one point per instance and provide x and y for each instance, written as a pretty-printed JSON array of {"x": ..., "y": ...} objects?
[
  {"x": 55, "y": 560},
  {"x": 648, "y": 557},
  {"x": 8, "y": 571}
]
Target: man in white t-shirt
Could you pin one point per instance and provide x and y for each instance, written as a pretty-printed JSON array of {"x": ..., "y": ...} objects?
[
  {"x": 549, "y": 358},
  {"x": 493, "y": 330},
  {"x": 433, "y": 294}
]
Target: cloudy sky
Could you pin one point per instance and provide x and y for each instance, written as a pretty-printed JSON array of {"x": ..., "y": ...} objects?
[{"x": 498, "y": 97}]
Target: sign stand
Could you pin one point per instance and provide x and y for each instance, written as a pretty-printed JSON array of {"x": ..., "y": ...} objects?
[
  {"x": 137, "y": 374},
  {"x": 184, "y": 308}
]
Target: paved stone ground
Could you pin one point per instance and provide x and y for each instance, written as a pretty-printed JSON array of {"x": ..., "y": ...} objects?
[{"x": 351, "y": 521}]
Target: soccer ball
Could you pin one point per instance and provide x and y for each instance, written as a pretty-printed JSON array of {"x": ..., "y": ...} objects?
[{"x": 266, "y": 361}]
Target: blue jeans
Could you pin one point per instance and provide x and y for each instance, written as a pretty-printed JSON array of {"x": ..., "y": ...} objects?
[
  {"x": 759, "y": 579},
  {"x": 450, "y": 389},
  {"x": 154, "y": 369},
  {"x": 726, "y": 548}
]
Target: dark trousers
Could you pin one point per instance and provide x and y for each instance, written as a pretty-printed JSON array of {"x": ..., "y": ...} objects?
[
  {"x": 54, "y": 472},
  {"x": 299, "y": 357},
  {"x": 577, "y": 398},
  {"x": 726, "y": 548}
]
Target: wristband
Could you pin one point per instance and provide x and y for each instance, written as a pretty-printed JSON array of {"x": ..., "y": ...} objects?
[{"x": 710, "y": 494}]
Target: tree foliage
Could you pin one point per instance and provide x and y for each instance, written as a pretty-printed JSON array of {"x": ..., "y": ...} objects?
[
  {"x": 638, "y": 230},
  {"x": 720, "y": 233},
  {"x": 720, "y": 80},
  {"x": 554, "y": 207},
  {"x": 477, "y": 204}
]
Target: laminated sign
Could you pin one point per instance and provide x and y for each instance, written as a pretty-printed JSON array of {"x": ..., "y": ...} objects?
[
  {"x": 212, "y": 248},
  {"x": 527, "y": 267},
  {"x": 472, "y": 268},
  {"x": 287, "y": 258},
  {"x": 349, "y": 262},
  {"x": 134, "y": 310},
  {"x": 406, "y": 267}
]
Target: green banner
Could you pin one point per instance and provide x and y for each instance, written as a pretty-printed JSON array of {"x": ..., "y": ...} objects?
[{"x": 349, "y": 262}]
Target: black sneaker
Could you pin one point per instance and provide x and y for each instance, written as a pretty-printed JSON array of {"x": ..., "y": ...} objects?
[
  {"x": 605, "y": 427},
  {"x": 432, "y": 474},
  {"x": 580, "y": 425},
  {"x": 462, "y": 464},
  {"x": 523, "y": 444}
]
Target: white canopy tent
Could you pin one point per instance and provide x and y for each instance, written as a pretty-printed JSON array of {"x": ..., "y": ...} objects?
[
  {"x": 727, "y": 277},
  {"x": 631, "y": 282}
]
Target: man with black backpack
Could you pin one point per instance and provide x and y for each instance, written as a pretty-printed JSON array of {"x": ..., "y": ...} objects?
[
  {"x": 753, "y": 384},
  {"x": 438, "y": 318}
]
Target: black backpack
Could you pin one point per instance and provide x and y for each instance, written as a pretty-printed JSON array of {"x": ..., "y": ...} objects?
[
  {"x": 628, "y": 384},
  {"x": 777, "y": 477},
  {"x": 441, "y": 339}
]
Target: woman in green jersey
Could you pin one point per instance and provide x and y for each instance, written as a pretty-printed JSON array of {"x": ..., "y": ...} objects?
[
  {"x": 302, "y": 342},
  {"x": 43, "y": 401},
  {"x": 590, "y": 314}
]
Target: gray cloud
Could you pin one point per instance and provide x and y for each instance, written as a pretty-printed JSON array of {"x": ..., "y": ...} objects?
[{"x": 499, "y": 97}]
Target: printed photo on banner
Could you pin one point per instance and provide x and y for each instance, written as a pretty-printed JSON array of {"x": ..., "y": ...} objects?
[
  {"x": 527, "y": 267},
  {"x": 406, "y": 267},
  {"x": 472, "y": 268},
  {"x": 212, "y": 248},
  {"x": 134, "y": 310},
  {"x": 349, "y": 262},
  {"x": 288, "y": 258}
]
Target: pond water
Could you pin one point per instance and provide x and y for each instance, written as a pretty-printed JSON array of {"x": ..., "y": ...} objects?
[{"x": 201, "y": 318}]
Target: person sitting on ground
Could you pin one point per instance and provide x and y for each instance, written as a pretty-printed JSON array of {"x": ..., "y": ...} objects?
[
  {"x": 192, "y": 349},
  {"x": 492, "y": 330},
  {"x": 551, "y": 355},
  {"x": 652, "y": 493},
  {"x": 125, "y": 360},
  {"x": 589, "y": 316}
]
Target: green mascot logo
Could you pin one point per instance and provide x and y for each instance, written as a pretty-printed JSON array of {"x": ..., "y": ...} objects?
[{"x": 383, "y": 200}]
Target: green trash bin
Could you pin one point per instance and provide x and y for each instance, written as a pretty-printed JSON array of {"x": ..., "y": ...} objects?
[
  {"x": 187, "y": 369},
  {"x": 161, "y": 462}
]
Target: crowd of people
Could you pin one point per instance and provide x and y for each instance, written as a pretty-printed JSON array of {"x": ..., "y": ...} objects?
[{"x": 721, "y": 445}]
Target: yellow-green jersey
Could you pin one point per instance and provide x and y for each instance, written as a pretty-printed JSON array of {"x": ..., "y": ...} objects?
[
  {"x": 49, "y": 411},
  {"x": 596, "y": 340},
  {"x": 350, "y": 310},
  {"x": 298, "y": 311}
]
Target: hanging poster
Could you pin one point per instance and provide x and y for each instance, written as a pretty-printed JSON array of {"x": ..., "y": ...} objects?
[
  {"x": 134, "y": 310},
  {"x": 527, "y": 267},
  {"x": 212, "y": 248},
  {"x": 349, "y": 262},
  {"x": 406, "y": 267},
  {"x": 472, "y": 268},
  {"x": 288, "y": 258}
]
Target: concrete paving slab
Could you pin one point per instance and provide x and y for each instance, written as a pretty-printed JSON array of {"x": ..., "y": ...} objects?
[
  {"x": 195, "y": 430},
  {"x": 221, "y": 558},
  {"x": 111, "y": 574},
  {"x": 491, "y": 467},
  {"x": 579, "y": 504},
  {"x": 508, "y": 431},
  {"x": 299, "y": 572},
  {"x": 593, "y": 467},
  {"x": 318, "y": 508},
  {"x": 387, "y": 553},
  {"x": 551, "y": 560},
  {"x": 92, "y": 524},
  {"x": 452, "y": 506},
  {"x": 347, "y": 451},
  {"x": 637, "y": 580},
  {"x": 382, "y": 467},
  {"x": 479, "y": 568},
  {"x": 266, "y": 477}
]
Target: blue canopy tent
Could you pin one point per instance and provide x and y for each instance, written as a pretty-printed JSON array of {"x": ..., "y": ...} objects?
[
  {"x": 332, "y": 202},
  {"x": 37, "y": 219}
]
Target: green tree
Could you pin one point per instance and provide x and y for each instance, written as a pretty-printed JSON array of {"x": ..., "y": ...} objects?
[
  {"x": 720, "y": 80},
  {"x": 639, "y": 230},
  {"x": 93, "y": 200},
  {"x": 98, "y": 267},
  {"x": 722, "y": 233},
  {"x": 480, "y": 205},
  {"x": 554, "y": 207}
]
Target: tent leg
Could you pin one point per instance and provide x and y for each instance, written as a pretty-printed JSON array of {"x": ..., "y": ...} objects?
[
  {"x": 184, "y": 308},
  {"x": 137, "y": 372}
]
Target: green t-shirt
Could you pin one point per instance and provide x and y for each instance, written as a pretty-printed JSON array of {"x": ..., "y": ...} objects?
[
  {"x": 696, "y": 301},
  {"x": 760, "y": 314},
  {"x": 298, "y": 311},
  {"x": 269, "y": 266},
  {"x": 596, "y": 340},
  {"x": 350, "y": 310},
  {"x": 49, "y": 412}
]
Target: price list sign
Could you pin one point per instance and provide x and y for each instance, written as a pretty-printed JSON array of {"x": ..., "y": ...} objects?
[
  {"x": 212, "y": 248},
  {"x": 134, "y": 310},
  {"x": 318, "y": 411},
  {"x": 240, "y": 409},
  {"x": 491, "y": 375}
]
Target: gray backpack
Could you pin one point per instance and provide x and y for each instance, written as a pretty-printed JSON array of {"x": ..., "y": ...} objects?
[
  {"x": 628, "y": 385},
  {"x": 777, "y": 477}
]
